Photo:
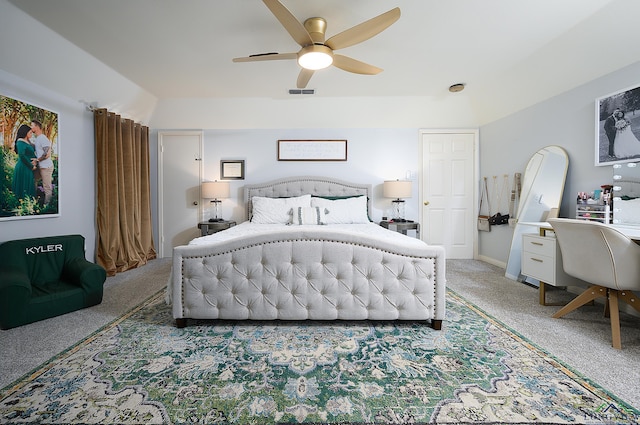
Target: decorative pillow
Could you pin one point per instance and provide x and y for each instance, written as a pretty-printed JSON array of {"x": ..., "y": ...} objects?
[
  {"x": 334, "y": 197},
  {"x": 308, "y": 215},
  {"x": 344, "y": 211},
  {"x": 276, "y": 210}
]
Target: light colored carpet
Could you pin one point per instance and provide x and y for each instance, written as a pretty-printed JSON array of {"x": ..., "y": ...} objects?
[
  {"x": 26, "y": 347},
  {"x": 581, "y": 339},
  {"x": 142, "y": 369}
]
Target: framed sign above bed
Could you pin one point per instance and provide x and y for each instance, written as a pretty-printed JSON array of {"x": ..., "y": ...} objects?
[{"x": 312, "y": 150}]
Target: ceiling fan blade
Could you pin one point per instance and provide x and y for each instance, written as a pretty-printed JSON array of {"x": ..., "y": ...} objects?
[
  {"x": 363, "y": 31},
  {"x": 289, "y": 22},
  {"x": 267, "y": 57},
  {"x": 304, "y": 77},
  {"x": 351, "y": 65}
]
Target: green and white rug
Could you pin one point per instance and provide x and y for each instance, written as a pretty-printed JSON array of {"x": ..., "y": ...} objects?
[{"x": 142, "y": 369}]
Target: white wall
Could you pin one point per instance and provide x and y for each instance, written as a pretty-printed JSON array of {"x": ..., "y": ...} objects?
[
  {"x": 76, "y": 167},
  {"x": 41, "y": 68},
  {"x": 451, "y": 110},
  {"x": 373, "y": 155},
  {"x": 567, "y": 120},
  {"x": 34, "y": 52}
]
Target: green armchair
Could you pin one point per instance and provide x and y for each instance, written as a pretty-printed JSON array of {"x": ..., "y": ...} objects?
[{"x": 46, "y": 277}]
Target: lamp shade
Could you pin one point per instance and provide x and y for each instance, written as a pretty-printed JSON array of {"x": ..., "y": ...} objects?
[
  {"x": 397, "y": 189},
  {"x": 215, "y": 190}
]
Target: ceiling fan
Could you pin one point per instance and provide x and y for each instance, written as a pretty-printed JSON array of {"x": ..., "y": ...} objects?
[{"x": 315, "y": 52}]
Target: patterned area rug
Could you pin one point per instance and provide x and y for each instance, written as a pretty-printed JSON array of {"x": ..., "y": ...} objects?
[{"x": 142, "y": 369}]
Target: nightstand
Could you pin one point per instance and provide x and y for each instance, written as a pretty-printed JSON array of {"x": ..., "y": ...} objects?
[
  {"x": 209, "y": 227},
  {"x": 402, "y": 226}
]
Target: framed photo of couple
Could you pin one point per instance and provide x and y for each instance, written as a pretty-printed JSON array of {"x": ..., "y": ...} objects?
[
  {"x": 29, "y": 154},
  {"x": 618, "y": 127}
]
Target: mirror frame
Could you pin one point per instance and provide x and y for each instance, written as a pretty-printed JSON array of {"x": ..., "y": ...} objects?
[{"x": 534, "y": 206}]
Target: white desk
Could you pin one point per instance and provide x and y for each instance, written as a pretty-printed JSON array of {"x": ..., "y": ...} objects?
[
  {"x": 548, "y": 252},
  {"x": 631, "y": 231},
  {"x": 542, "y": 226}
]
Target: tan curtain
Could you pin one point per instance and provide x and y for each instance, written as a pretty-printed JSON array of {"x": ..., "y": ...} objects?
[{"x": 125, "y": 237}]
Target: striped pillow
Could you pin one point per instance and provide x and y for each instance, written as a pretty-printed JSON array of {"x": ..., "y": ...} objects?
[{"x": 308, "y": 215}]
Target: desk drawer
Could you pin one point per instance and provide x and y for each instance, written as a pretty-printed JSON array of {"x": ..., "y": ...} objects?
[
  {"x": 539, "y": 267},
  {"x": 539, "y": 245}
]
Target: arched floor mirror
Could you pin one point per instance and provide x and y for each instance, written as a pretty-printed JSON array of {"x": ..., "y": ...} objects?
[{"x": 542, "y": 188}]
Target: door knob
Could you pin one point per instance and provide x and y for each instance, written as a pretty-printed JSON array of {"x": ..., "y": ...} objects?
[
  {"x": 426, "y": 203},
  {"x": 195, "y": 202}
]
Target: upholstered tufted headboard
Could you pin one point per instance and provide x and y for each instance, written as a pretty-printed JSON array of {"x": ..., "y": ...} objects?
[{"x": 296, "y": 186}]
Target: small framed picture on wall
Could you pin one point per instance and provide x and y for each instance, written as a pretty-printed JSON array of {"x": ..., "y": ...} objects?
[
  {"x": 618, "y": 127},
  {"x": 232, "y": 169}
]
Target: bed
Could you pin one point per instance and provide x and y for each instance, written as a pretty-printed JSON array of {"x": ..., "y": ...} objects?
[{"x": 347, "y": 269}]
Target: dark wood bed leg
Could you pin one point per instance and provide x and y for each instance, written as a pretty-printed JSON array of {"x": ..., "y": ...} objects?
[
  {"x": 436, "y": 324},
  {"x": 181, "y": 323}
]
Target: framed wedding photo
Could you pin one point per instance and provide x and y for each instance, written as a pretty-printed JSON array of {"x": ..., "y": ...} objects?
[
  {"x": 618, "y": 127},
  {"x": 232, "y": 169}
]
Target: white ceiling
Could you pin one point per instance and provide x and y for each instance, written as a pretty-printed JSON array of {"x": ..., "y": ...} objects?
[{"x": 509, "y": 53}]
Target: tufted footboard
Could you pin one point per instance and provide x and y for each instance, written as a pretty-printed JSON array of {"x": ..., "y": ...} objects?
[{"x": 327, "y": 276}]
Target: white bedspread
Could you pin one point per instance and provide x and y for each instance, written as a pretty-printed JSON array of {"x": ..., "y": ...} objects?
[{"x": 247, "y": 229}]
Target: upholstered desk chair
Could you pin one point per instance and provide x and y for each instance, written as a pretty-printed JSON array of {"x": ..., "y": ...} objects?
[{"x": 604, "y": 257}]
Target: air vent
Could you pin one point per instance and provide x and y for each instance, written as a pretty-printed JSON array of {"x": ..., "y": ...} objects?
[{"x": 302, "y": 91}]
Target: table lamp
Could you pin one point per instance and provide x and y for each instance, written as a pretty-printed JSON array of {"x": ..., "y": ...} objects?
[
  {"x": 214, "y": 190},
  {"x": 397, "y": 189}
]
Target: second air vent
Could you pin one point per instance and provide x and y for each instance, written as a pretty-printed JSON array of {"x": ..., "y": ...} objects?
[{"x": 302, "y": 91}]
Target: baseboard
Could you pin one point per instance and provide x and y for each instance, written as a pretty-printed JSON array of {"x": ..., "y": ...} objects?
[{"x": 492, "y": 261}]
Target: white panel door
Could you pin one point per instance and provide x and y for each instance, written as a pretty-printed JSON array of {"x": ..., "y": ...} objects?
[
  {"x": 179, "y": 177},
  {"x": 448, "y": 191}
]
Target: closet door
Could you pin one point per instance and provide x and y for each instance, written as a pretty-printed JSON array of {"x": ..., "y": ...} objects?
[
  {"x": 448, "y": 188},
  {"x": 179, "y": 177}
]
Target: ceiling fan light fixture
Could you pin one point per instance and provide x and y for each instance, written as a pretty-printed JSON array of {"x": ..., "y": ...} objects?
[{"x": 315, "y": 57}]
